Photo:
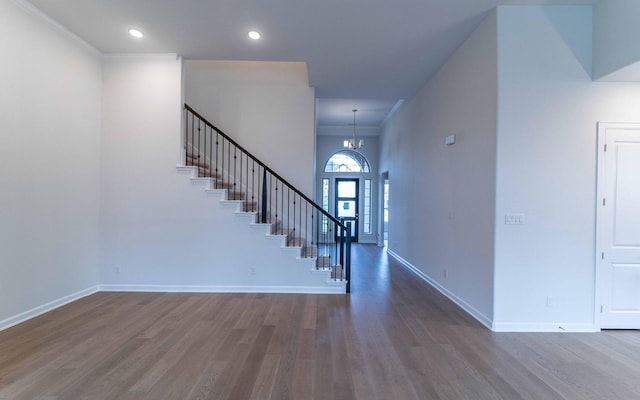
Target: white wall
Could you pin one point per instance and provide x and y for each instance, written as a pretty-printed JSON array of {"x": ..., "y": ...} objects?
[
  {"x": 442, "y": 197},
  {"x": 142, "y": 115},
  {"x": 616, "y": 33},
  {"x": 267, "y": 107},
  {"x": 50, "y": 88},
  {"x": 326, "y": 146},
  {"x": 548, "y": 111},
  {"x": 159, "y": 231}
]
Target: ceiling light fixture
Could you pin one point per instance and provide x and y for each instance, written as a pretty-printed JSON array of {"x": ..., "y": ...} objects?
[
  {"x": 353, "y": 143},
  {"x": 136, "y": 33},
  {"x": 255, "y": 35}
]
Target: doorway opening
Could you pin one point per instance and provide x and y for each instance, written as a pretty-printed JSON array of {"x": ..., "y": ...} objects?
[
  {"x": 385, "y": 209},
  {"x": 347, "y": 203}
]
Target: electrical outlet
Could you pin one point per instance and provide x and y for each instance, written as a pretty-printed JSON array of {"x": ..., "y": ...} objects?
[
  {"x": 116, "y": 270},
  {"x": 514, "y": 219},
  {"x": 549, "y": 301},
  {"x": 252, "y": 271}
]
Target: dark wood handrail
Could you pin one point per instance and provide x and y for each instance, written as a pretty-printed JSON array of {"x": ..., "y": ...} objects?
[{"x": 263, "y": 165}]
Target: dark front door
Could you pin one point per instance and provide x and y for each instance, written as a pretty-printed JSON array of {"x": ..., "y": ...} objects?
[{"x": 347, "y": 203}]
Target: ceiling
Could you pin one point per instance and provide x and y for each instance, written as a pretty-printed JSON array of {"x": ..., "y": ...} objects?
[
  {"x": 338, "y": 113},
  {"x": 374, "y": 50}
]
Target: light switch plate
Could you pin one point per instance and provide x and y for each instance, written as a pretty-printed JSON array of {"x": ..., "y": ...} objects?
[{"x": 451, "y": 139}]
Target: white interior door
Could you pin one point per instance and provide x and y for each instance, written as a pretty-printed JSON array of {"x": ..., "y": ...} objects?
[{"x": 618, "y": 232}]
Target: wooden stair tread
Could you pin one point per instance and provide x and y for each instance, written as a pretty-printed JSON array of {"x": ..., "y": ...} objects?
[
  {"x": 296, "y": 242},
  {"x": 199, "y": 164},
  {"x": 285, "y": 232},
  {"x": 322, "y": 262}
]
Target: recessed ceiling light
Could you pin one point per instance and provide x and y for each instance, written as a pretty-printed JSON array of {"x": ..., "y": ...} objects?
[
  {"x": 136, "y": 33},
  {"x": 255, "y": 35}
]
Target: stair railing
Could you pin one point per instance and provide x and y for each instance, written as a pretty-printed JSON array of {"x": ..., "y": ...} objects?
[{"x": 289, "y": 211}]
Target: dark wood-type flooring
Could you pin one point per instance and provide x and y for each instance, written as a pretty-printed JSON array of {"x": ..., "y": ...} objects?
[{"x": 393, "y": 338}]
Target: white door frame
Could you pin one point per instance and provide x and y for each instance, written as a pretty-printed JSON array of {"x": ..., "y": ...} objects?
[
  {"x": 600, "y": 195},
  {"x": 597, "y": 312},
  {"x": 382, "y": 179}
]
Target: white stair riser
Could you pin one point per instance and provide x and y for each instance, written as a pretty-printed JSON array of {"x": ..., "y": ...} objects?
[{"x": 274, "y": 262}]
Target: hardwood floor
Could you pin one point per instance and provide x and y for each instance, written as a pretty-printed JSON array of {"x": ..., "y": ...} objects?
[{"x": 393, "y": 338}]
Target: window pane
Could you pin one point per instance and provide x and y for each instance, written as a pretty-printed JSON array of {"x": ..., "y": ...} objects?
[
  {"x": 346, "y": 209},
  {"x": 325, "y": 204},
  {"x": 325, "y": 194},
  {"x": 347, "y": 161},
  {"x": 346, "y": 189},
  {"x": 367, "y": 206}
]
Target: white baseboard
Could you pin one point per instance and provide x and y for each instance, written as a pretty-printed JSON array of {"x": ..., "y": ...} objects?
[
  {"x": 34, "y": 312},
  {"x": 543, "y": 327},
  {"x": 483, "y": 319},
  {"x": 497, "y": 326},
  {"x": 329, "y": 289}
]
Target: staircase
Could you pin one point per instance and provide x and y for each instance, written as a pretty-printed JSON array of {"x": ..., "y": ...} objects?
[{"x": 258, "y": 196}]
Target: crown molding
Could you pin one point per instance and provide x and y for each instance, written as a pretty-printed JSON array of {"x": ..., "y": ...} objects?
[
  {"x": 145, "y": 56},
  {"x": 395, "y": 108},
  {"x": 38, "y": 14}
]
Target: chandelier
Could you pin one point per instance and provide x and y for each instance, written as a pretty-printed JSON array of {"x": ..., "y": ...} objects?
[{"x": 353, "y": 143}]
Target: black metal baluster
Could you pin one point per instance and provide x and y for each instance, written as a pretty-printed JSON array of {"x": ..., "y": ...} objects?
[
  {"x": 186, "y": 138},
  {"x": 306, "y": 223},
  {"x": 246, "y": 184},
  {"x": 252, "y": 184},
  {"x": 235, "y": 173},
  {"x": 198, "y": 150},
  {"x": 222, "y": 164},
  {"x": 302, "y": 234},
  {"x": 203, "y": 150},
  {"x": 343, "y": 235},
  {"x": 192, "y": 136},
  {"x": 331, "y": 249},
  {"x": 204, "y": 164},
  {"x": 264, "y": 196},
  {"x": 348, "y": 258},
  {"x": 276, "y": 194},
  {"x": 257, "y": 182},
  {"x": 316, "y": 236},
  {"x": 216, "y": 162},
  {"x": 211, "y": 155},
  {"x": 271, "y": 199}
]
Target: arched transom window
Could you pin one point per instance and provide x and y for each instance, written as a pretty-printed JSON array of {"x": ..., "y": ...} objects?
[{"x": 347, "y": 161}]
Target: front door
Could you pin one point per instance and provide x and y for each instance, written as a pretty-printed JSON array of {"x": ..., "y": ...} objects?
[
  {"x": 618, "y": 252},
  {"x": 347, "y": 203}
]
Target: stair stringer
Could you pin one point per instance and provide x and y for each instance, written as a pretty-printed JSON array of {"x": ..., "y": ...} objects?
[{"x": 263, "y": 262}]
